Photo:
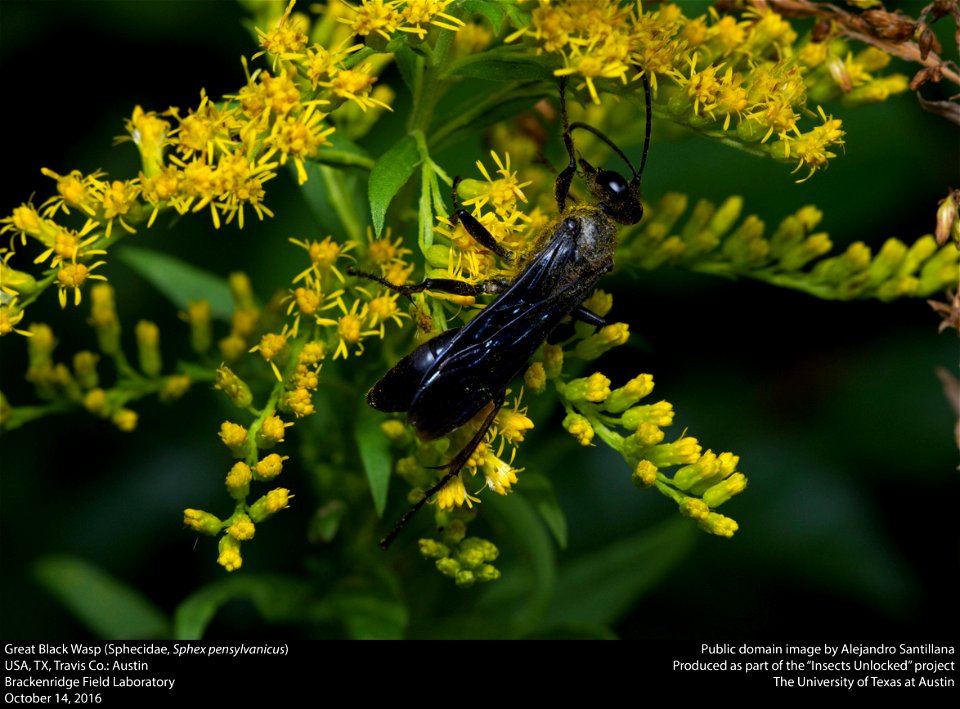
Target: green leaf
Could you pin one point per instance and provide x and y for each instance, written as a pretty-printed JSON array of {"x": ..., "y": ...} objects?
[
  {"x": 375, "y": 453},
  {"x": 109, "y": 608},
  {"x": 391, "y": 172},
  {"x": 450, "y": 130},
  {"x": 407, "y": 62},
  {"x": 178, "y": 280},
  {"x": 523, "y": 597},
  {"x": 628, "y": 568},
  {"x": 493, "y": 11},
  {"x": 343, "y": 152},
  {"x": 504, "y": 64},
  {"x": 518, "y": 17},
  {"x": 326, "y": 522},
  {"x": 337, "y": 196},
  {"x": 539, "y": 491},
  {"x": 369, "y": 617},
  {"x": 277, "y": 598}
]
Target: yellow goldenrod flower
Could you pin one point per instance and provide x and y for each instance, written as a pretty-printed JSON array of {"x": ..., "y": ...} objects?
[
  {"x": 432, "y": 549},
  {"x": 579, "y": 427},
  {"x": 719, "y": 525},
  {"x": 648, "y": 434},
  {"x": 644, "y": 474},
  {"x": 374, "y": 17},
  {"x": 271, "y": 503},
  {"x": 174, "y": 387},
  {"x": 234, "y": 387},
  {"x": 270, "y": 466},
  {"x": 273, "y": 347},
  {"x": 234, "y": 436},
  {"x": 298, "y": 402},
  {"x": 723, "y": 491},
  {"x": 242, "y": 528},
  {"x": 312, "y": 353},
  {"x": 10, "y": 317},
  {"x": 595, "y": 388},
  {"x": 229, "y": 557},
  {"x": 285, "y": 41},
  {"x": 513, "y": 423},
  {"x": 148, "y": 347},
  {"x": 394, "y": 430},
  {"x": 85, "y": 368},
  {"x": 454, "y": 494},
  {"x": 202, "y": 522},
  {"x": 238, "y": 480},
  {"x": 95, "y": 401},
  {"x": 605, "y": 339},
  {"x": 272, "y": 431},
  {"x": 535, "y": 378},
  {"x": 74, "y": 275},
  {"x": 125, "y": 420},
  {"x": 624, "y": 397},
  {"x": 74, "y": 190}
]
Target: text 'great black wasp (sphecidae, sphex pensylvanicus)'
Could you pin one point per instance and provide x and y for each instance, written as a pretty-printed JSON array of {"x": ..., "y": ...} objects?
[{"x": 450, "y": 379}]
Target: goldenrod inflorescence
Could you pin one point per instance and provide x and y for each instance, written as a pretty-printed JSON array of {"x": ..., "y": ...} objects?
[{"x": 307, "y": 100}]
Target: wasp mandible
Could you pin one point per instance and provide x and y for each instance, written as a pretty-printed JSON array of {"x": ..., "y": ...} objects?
[{"x": 452, "y": 378}]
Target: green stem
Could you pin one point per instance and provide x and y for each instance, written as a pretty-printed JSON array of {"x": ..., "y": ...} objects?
[
  {"x": 340, "y": 158},
  {"x": 342, "y": 203}
]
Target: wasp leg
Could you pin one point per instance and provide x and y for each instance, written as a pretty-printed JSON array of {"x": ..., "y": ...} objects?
[
  {"x": 475, "y": 229},
  {"x": 445, "y": 285},
  {"x": 583, "y": 315},
  {"x": 452, "y": 468},
  {"x": 561, "y": 187}
]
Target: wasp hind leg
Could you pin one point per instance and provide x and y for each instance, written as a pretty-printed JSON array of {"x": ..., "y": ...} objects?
[{"x": 452, "y": 467}]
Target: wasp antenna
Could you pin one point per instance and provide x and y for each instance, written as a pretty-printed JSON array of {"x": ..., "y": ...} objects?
[
  {"x": 605, "y": 139},
  {"x": 646, "y": 139}
]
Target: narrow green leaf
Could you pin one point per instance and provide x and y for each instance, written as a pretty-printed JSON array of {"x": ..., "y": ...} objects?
[
  {"x": 539, "y": 491},
  {"x": 108, "y": 607},
  {"x": 407, "y": 62},
  {"x": 277, "y": 598},
  {"x": 628, "y": 568},
  {"x": 390, "y": 173},
  {"x": 178, "y": 280},
  {"x": 375, "y": 454}
]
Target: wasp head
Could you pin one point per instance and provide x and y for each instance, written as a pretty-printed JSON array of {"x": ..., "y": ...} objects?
[{"x": 616, "y": 196}]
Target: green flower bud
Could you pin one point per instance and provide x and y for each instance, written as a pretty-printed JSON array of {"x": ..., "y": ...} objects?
[
  {"x": 148, "y": 347},
  {"x": 202, "y": 522}
]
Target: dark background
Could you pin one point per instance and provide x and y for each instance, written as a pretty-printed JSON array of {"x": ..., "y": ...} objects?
[{"x": 848, "y": 526}]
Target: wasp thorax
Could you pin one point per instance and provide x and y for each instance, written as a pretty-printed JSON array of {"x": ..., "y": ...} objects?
[{"x": 596, "y": 239}]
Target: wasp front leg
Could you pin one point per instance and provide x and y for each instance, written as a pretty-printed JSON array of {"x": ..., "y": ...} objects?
[
  {"x": 561, "y": 187},
  {"x": 444, "y": 285},
  {"x": 475, "y": 229}
]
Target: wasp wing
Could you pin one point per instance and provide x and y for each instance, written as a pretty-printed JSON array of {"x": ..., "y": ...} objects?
[
  {"x": 398, "y": 387},
  {"x": 471, "y": 375}
]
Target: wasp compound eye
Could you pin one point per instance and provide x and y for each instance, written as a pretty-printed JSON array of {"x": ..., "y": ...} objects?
[{"x": 613, "y": 183}]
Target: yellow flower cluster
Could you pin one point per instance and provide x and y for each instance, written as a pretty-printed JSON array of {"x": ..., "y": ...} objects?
[
  {"x": 701, "y": 480},
  {"x": 714, "y": 239},
  {"x": 745, "y": 79}
]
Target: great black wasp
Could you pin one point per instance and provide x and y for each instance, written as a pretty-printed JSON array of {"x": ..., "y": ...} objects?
[{"x": 452, "y": 378}]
